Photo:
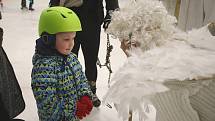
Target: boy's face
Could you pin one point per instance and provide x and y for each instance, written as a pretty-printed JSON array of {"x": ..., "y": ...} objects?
[{"x": 65, "y": 42}]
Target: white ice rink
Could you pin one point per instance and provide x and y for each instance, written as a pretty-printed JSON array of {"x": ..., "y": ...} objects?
[{"x": 20, "y": 33}]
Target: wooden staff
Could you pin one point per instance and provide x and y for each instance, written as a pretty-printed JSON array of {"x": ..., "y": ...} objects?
[
  {"x": 177, "y": 8},
  {"x": 130, "y": 117}
]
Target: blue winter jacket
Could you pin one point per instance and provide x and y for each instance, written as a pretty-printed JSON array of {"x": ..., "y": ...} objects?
[{"x": 57, "y": 83}]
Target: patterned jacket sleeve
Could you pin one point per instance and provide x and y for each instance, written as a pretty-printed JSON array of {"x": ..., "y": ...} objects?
[
  {"x": 82, "y": 85},
  {"x": 44, "y": 89}
]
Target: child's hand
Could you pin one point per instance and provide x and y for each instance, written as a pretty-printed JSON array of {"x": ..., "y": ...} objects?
[{"x": 84, "y": 107}]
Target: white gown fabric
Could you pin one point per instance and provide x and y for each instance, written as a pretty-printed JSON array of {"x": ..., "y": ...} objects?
[
  {"x": 174, "y": 71},
  {"x": 196, "y": 13}
]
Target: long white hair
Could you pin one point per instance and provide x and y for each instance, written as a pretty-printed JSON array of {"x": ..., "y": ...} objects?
[{"x": 145, "y": 21}]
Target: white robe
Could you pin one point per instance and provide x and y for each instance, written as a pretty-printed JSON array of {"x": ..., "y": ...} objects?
[
  {"x": 196, "y": 13},
  {"x": 185, "y": 65}
]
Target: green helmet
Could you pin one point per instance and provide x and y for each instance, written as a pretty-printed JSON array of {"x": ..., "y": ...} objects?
[{"x": 58, "y": 19}]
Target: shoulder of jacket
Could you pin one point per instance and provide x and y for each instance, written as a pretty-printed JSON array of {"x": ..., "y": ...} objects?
[
  {"x": 72, "y": 58},
  {"x": 73, "y": 55},
  {"x": 44, "y": 61}
]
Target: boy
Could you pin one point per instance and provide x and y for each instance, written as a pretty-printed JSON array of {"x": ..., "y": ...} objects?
[
  {"x": 91, "y": 15},
  {"x": 59, "y": 85}
]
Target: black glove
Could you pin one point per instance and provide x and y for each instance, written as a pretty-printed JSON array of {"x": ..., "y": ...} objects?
[{"x": 107, "y": 19}]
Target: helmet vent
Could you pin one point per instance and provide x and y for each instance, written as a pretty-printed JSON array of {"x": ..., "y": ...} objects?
[
  {"x": 63, "y": 15},
  {"x": 49, "y": 10},
  {"x": 69, "y": 12}
]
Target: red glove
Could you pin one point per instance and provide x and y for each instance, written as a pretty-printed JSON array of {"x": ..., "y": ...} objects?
[{"x": 84, "y": 107}]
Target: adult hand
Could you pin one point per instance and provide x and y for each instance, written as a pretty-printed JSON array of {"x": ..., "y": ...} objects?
[{"x": 107, "y": 19}]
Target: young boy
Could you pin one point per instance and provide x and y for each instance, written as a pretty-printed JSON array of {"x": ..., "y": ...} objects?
[{"x": 59, "y": 85}]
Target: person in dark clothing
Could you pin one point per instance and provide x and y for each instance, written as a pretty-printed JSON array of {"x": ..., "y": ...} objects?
[
  {"x": 24, "y": 7},
  {"x": 11, "y": 99},
  {"x": 31, "y": 2},
  {"x": 23, "y": 4},
  {"x": 91, "y": 14},
  {"x": 1, "y": 3},
  {"x": 4, "y": 113}
]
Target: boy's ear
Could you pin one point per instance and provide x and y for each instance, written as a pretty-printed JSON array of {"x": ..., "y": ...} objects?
[{"x": 48, "y": 39}]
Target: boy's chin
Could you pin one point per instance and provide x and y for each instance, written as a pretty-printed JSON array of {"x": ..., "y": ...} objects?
[{"x": 66, "y": 53}]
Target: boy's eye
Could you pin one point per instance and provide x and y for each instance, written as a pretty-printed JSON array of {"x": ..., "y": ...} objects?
[{"x": 67, "y": 39}]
